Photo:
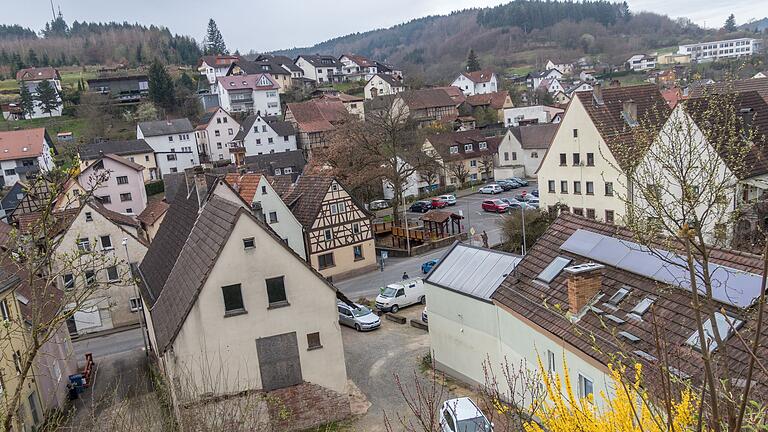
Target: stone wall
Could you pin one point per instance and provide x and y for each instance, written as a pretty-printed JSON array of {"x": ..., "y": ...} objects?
[{"x": 306, "y": 405}]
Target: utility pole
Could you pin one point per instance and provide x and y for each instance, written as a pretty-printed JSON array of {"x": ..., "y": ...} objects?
[
  {"x": 522, "y": 210},
  {"x": 138, "y": 298},
  {"x": 405, "y": 218},
  {"x": 53, "y": 11}
]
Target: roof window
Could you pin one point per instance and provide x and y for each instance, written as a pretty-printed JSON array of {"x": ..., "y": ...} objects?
[
  {"x": 619, "y": 296},
  {"x": 726, "y": 326},
  {"x": 642, "y": 307},
  {"x": 553, "y": 269}
]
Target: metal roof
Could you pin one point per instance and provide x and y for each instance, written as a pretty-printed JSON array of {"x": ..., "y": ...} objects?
[{"x": 473, "y": 271}]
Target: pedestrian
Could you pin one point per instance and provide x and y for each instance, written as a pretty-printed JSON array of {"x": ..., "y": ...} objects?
[
  {"x": 484, "y": 236},
  {"x": 405, "y": 276}
]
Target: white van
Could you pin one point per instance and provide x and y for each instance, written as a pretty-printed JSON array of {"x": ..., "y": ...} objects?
[{"x": 397, "y": 295}]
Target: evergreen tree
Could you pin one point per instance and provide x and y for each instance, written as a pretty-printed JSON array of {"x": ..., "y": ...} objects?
[
  {"x": 47, "y": 97},
  {"x": 32, "y": 58},
  {"x": 186, "y": 82},
  {"x": 161, "y": 89},
  {"x": 473, "y": 64},
  {"x": 139, "y": 56},
  {"x": 625, "y": 12},
  {"x": 46, "y": 61},
  {"x": 57, "y": 28},
  {"x": 730, "y": 24},
  {"x": 26, "y": 103},
  {"x": 214, "y": 41}
]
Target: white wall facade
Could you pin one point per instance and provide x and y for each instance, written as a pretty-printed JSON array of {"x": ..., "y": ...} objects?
[
  {"x": 587, "y": 140},
  {"x": 266, "y": 102},
  {"x": 262, "y": 139},
  {"x": 38, "y": 110},
  {"x": 174, "y": 152},
  {"x": 215, "y": 138},
  {"x": 381, "y": 86},
  {"x": 708, "y": 51},
  {"x": 10, "y": 167},
  {"x": 210, "y": 343},
  {"x": 470, "y": 87},
  {"x": 323, "y": 74},
  {"x": 513, "y": 116},
  {"x": 513, "y": 156}
]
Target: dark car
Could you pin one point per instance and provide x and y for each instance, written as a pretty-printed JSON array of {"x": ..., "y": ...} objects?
[
  {"x": 506, "y": 185},
  {"x": 514, "y": 182},
  {"x": 535, "y": 193},
  {"x": 421, "y": 207},
  {"x": 523, "y": 197},
  {"x": 522, "y": 181},
  {"x": 512, "y": 203}
]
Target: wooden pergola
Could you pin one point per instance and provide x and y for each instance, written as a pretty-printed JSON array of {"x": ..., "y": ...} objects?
[{"x": 440, "y": 223}]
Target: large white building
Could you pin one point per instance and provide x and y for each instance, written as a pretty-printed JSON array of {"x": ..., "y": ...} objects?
[
  {"x": 249, "y": 94},
  {"x": 215, "y": 133},
  {"x": 531, "y": 114},
  {"x": 641, "y": 62},
  {"x": 31, "y": 78},
  {"x": 263, "y": 134},
  {"x": 320, "y": 68},
  {"x": 24, "y": 153},
  {"x": 522, "y": 149},
  {"x": 173, "y": 141},
  {"x": 708, "y": 51},
  {"x": 478, "y": 82},
  {"x": 215, "y": 66}
]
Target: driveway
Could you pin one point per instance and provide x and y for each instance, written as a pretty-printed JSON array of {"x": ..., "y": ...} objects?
[{"x": 374, "y": 357}]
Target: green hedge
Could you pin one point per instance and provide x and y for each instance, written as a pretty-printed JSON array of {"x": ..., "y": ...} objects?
[{"x": 155, "y": 187}]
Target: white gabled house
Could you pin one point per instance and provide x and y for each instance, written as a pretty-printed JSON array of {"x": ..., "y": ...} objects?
[
  {"x": 23, "y": 154},
  {"x": 320, "y": 68},
  {"x": 264, "y": 134},
  {"x": 522, "y": 149},
  {"x": 173, "y": 141},
  {"x": 249, "y": 94},
  {"x": 31, "y": 78},
  {"x": 215, "y": 133},
  {"x": 478, "y": 82},
  {"x": 383, "y": 84}
]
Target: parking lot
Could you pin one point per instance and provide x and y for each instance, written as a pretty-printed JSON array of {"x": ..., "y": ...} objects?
[{"x": 469, "y": 207}]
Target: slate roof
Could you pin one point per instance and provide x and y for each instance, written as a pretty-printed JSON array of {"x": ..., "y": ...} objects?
[
  {"x": 11, "y": 199},
  {"x": 270, "y": 161},
  {"x": 281, "y": 128},
  {"x": 246, "y": 185},
  {"x": 166, "y": 127},
  {"x": 480, "y": 76},
  {"x": 121, "y": 148},
  {"x": 426, "y": 98},
  {"x": 247, "y": 82},
  {"x": 473, "y": 271},
  {"x": 154, "y": 210},
  {"x": 755, "y": 162},
  {"x": 320, "y": 60},
  {"x": 495, "y": 100},
  {"x": 118, "y": 159},
  {"x": 608, "y": 117},
  {"x": 535, "y": 136},
  {"x": 118, "y": 218},
  {"x": 171, "y": 237},
  {"x": 35, "y": 74},
  {"x": 389, "y": 79},
  {"x": 24, "y": 143},
  {"x": 443, "y": 141},
  {"x": 264, "y": 65},
  {"x": 759, "y": 85},
  {"x": 306, "y": 198},
  {"x": 188, "y": 272},
  {"x": 545, "y": 305},
  {"x": 281, "y": 60}
]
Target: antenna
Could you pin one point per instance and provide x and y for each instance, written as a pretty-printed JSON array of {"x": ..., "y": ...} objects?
[{"x": 53, "y": 12}]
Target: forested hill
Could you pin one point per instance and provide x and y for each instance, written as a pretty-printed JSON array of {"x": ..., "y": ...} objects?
[
  {"x": 82, "y": 43},
  {"x": 520, "y": 33}
]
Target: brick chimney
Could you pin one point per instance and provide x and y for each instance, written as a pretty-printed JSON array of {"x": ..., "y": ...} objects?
[
  {"x": 584, "y": 282},
  {"x": 201, "y": 186},
  {"x": 597, "y": 94}
]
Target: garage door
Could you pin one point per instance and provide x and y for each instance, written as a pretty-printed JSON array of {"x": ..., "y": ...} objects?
[{"x": 279, "y": 362}]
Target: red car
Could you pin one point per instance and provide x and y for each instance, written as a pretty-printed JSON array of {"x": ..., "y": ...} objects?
[
  {"x": 438, "y": 203},
  {"x": 495, "y": 205}
]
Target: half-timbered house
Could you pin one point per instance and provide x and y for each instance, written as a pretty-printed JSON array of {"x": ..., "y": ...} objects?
[{"x": 337, "y": 228}]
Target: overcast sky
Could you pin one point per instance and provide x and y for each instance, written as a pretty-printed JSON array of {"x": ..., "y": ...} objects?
[{"x": 264, "y": 25}]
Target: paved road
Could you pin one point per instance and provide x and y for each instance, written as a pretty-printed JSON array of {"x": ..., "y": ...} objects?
[{"x": 368, "y": 285}]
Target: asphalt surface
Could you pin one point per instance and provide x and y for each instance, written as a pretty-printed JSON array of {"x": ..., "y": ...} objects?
[{"x": 376, "y": 360}]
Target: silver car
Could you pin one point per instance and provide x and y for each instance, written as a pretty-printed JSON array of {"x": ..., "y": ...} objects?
[{"x": 360, "y": 317}]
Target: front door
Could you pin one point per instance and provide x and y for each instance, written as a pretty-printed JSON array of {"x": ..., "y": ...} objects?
[{"x": 279, "y": 362}]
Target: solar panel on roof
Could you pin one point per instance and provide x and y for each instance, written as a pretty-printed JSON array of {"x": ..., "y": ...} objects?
[
  {"x": 730, "y": 286},
  {"x": 553, "y": 269}
]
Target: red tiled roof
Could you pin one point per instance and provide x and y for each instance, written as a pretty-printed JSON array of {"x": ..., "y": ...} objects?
[
  {"x": 154, "y": 210},
  {"x": 426, "y": 98},
  {"x": 25, "y": 143},
  {"x": 360, "y": 60},
  {"x": 444, "y": 141},
  {"x": 480, "y": 76},
  {"x": 35, "y": 74},
  {"x": 245, "y": 185},
  {"x": 455, "y": 93},
  {"x": 496, "y": 100},
  {"x": 218, "y": 60},
  {"x": 317, "y": 115}
]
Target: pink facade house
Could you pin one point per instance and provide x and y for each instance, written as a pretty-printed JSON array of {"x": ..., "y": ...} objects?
[{"x": 123, "y": 189}]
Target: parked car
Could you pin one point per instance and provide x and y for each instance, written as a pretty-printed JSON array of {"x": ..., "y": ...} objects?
[
  {"x": 437, "y": 203},
  {"x": 512, "y": 203},
  {"x": 359, "y": 317},
  {"x": 420, "y": 207},
  {"x": 462, "y": 415},
  {"x": 491, "y": 189},
  {"x": 535, "y": 193},
  {"x": 522, "y": 181},
  {"x": 516, "y": 183},
  {"x": 505, "y": 185},
  {"x": 427, "y": 266},
  {"x": 523, "y": 197},
  {"x": 397, "y": 295},
  {"x": 532, "y": 202},
  {"x": 378, "y": 205},
  {"x": 449, "y": 198},
  {"x": 424, "y": 316},
  {"x": 495, "y": 205}
]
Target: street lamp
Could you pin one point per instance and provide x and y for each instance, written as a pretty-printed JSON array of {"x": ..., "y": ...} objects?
[
  {"x": 138, "y": 298},
  {"x": 522, "y": 211},
  {"x": 405, "y": 217}
]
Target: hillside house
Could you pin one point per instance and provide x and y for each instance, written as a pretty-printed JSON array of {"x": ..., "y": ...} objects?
[
  {"x": 264, "y": 134},
  {"x": 117, "y": 182},
  {"x": 214, "y": 66},
  {"x": 25, "y": 153},
  {"x": 478, "y": 82},
  {"x": 533, "y": 80},
  {"x": 522, "y": 149},
  {"x": 251, "y": 94},
  {"x": 173, "y": 141},
  {"x": 357, "y": 68},
  {"x": 320, "y": 68},
  {"x": 464, "y": 156},
  {"x": 121, "y": 88},
  {"x": 314, "y": 120},
  {"x": 215, "y": 134},
  {"x": 248, "y": 297},
  {"x": 640, "y": 63},
  {"x": 565, "y": 68},
  {"x": 282, "y": 75},
  {"x": 137, "y": 151},
  {"x": 31, "y": 78}
]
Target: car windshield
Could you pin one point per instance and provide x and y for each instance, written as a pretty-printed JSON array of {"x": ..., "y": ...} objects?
[
  {"x": 361, "y": 311},
  {"x": 477, "y": 424},
  {"x": 389, "y": 292}
]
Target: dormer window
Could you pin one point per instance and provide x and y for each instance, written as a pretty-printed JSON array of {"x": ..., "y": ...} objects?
[
  {"x": 454, "y": 149},
  {"x": 232, "y": 84},
  {"x": 468, "y": 147},
  {"x": 483, "y": 145},
  {"x": 726, "y": 327}
]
